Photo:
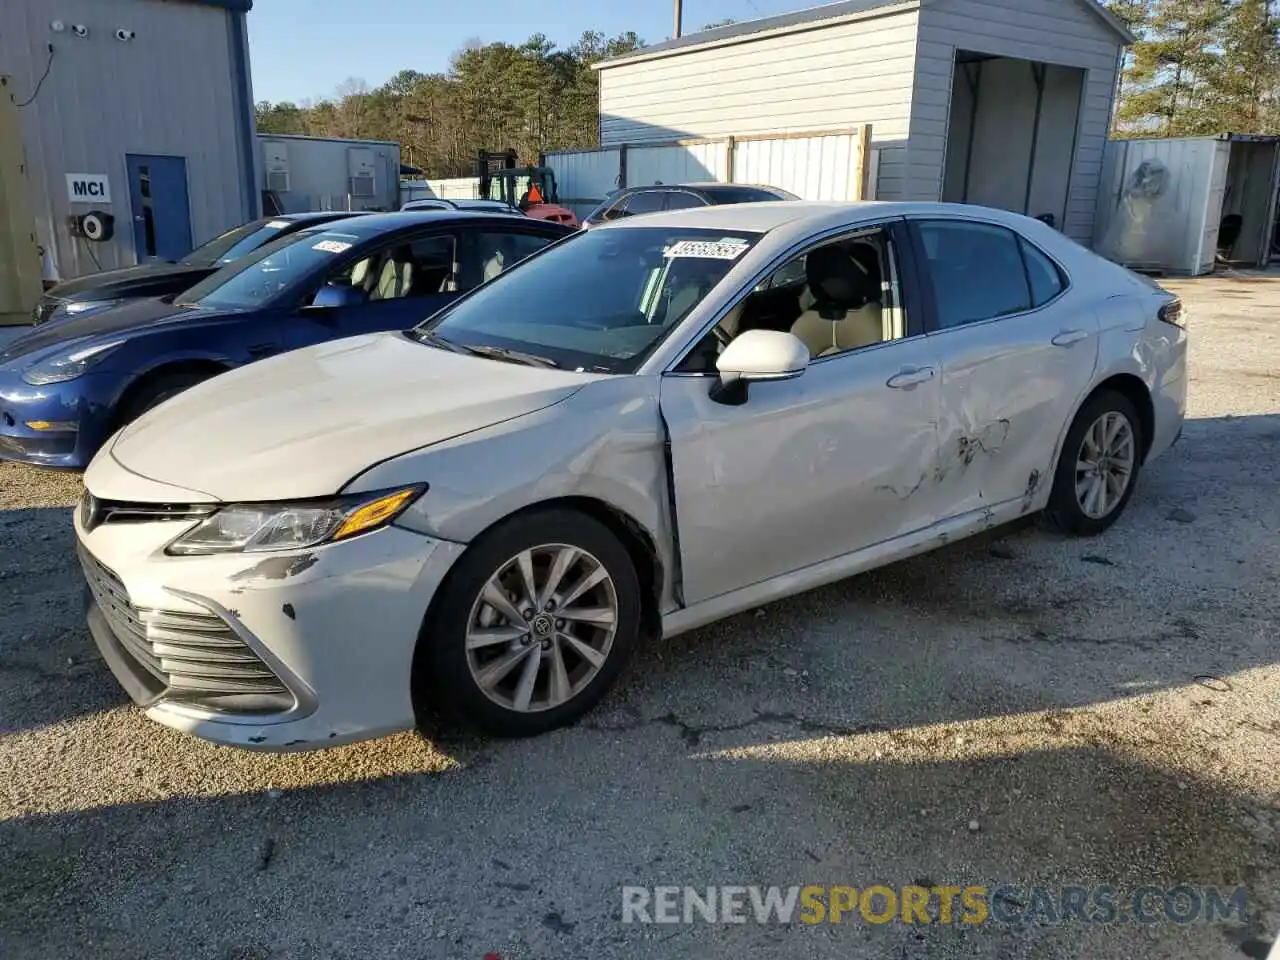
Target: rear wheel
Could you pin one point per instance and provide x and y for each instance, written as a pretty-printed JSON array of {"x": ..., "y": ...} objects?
[
  {"x": 156, "y": 392},
  {"x": 532, "y": 626},
  {"x": 1098, "y": 466}
]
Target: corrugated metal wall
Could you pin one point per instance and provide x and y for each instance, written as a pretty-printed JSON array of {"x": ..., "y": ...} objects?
[
  {"x": 585, "y": 177},
  {"x": 824, "y": 165},
  {"x": 684, "y": 163},
  {"x": 851, "y": 70},
  {"x": 19, "y": 254},
  {"x": 170, "y": 91},
  {"x": 813, "y": 168},
  {"x": 1173, "y": 225}
]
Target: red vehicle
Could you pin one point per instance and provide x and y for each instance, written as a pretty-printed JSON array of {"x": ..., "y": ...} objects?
[{"x": 531, "y": 190}]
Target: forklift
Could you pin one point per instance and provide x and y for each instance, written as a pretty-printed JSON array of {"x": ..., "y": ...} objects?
[{"x": 531, "y": 190}]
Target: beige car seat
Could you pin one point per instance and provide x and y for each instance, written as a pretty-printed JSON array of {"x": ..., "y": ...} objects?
[
  {"x": 395, "y": 279},
  {"x": 844, "y": 281}
]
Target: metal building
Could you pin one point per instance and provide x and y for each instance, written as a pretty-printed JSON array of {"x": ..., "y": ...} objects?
[
  {"x": 328, "y": 173},
  {"x": 1001, "y": 102},
  {"x": 140, "y": 110}
]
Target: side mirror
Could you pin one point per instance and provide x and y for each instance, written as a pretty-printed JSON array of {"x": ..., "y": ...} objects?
[
  {"x": 754, "y": 356},
  {"x": 333, "y": 295}
]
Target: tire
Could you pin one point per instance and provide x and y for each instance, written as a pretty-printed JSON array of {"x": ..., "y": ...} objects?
[
  {"x": 157, "y": 392},
  {"x": 447, "y": 675},
  {"x": 1067, "y": 501}
]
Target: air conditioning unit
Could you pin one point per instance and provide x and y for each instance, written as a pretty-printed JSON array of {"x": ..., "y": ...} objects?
[
  {"x": 363, "y": 186},
  {"x": 275, "y": 162}
]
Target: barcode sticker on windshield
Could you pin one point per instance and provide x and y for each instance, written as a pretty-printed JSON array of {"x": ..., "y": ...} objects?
[
  {"x": 278, "y": 224},
  {"x": 331, "y": 246},
  {"x": 706, "y": 249}
]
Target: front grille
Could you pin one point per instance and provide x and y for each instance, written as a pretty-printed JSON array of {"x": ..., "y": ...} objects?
[
  {"x": 44, "y": 309},
  {"x": 186, "y": 657},
  {"x": 95, "y": 512}
]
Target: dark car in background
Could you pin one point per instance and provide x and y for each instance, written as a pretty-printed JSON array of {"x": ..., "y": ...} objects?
[
  {"x": 158, "y": 278},
  {"x": 679, "y": 196},
  {"x": 68, "y": 385}
]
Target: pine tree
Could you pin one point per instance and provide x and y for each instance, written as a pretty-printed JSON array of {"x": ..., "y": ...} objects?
[
  {"x": 1245, "y": 82},
  {"x": 1169, "y": 79}
]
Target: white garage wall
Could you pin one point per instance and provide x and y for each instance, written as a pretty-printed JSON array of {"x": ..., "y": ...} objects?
[{"x": 823, "y": 75}]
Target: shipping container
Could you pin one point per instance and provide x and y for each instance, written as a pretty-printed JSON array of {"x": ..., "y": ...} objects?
[{"x": 300, "y": 174}]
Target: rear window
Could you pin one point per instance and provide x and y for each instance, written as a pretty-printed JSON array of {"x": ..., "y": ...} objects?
[{"x": 730, "y": 194}]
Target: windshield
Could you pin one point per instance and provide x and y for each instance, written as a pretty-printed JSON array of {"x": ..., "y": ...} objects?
[
  {"x": 235, "y": 243},
  {"x": 599, "y": 301},
  {"x": 253, "y": 280}
]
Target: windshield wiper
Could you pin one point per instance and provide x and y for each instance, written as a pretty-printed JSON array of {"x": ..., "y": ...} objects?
[
  {"x": 511, "y": 356},
  {"x": 435, "y": 340}
]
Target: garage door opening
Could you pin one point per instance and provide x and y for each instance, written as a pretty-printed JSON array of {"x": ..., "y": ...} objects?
[{"x": 1011, "y": 134}]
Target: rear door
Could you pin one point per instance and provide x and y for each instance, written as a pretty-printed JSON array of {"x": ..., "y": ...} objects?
[{"x": 1018, "y": 349}]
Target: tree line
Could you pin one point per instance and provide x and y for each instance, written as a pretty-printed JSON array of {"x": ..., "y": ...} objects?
[
  {"x": 1199, "y": 67},
  {"x": 531, "y": 97}
]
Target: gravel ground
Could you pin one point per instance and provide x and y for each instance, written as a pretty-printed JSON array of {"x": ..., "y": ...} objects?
[{"x": 1028, "y": 710}]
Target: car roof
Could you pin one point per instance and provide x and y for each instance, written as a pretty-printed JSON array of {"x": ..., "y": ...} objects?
[
  {"x": 807, "y": 215},
  {"x": 317, "y": 215},
  {"x": 375, "y": 224}
]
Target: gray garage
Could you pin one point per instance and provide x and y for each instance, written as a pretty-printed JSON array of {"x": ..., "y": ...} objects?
[
  {"x": 999, "y": 102},
  {"x": 138, "y": 110}
]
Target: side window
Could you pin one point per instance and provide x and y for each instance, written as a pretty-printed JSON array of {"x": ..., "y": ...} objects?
[
  {"x": 836, "y": 297},
  {"x": 649, "y": 201},
  {"x": 1045, "y": 277},
  {"x": 976, "y": 269},
  {"x": 616, "y": 209},
  {"x": 680, "y": 200},
  {"x": 500, "y": 251},
  {"x": 416, "y": 268}
]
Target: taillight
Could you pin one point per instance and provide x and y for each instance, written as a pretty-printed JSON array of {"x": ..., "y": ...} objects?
[{"x": 1171, "y": 312}]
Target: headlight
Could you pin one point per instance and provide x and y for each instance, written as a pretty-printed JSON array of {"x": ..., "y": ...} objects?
[
  {"x": 81, "y": 308},
  {"x": 67, "y": 366},
  {"x": 259, "y": 527}
]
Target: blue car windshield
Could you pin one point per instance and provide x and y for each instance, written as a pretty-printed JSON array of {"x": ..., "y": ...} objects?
[
  {"x": 599, "y": 301},
  {"x": 236, "y": 242},
  {"x": 252, "y": 281}
]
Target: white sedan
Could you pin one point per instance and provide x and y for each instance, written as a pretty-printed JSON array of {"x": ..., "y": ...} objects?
[{"x": 643, "y": 428}]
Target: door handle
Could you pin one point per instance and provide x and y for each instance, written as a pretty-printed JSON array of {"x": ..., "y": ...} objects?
[
  {"x": 1067, "y": 337},
  {"x": 913, "y": 377},
  {"x": 262, "y": 349}
]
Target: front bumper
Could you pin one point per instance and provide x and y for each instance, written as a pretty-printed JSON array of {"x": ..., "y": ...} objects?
[
  {"x": 279, "y": 651},
  {"x": 79, "y": 410}
]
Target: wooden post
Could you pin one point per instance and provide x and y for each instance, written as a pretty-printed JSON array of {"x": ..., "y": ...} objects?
[
  {"x": 730, "y": 147},
  {"x": 863, "y": 168}
]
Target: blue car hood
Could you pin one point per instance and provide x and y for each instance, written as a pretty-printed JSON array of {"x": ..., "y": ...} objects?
[{"x": 126, "y": 318}]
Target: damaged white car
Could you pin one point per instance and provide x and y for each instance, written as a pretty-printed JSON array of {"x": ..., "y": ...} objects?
[{"x": 639, "y": 430}]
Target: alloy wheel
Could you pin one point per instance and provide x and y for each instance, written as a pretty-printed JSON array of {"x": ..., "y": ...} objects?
[
  {"x": 1104, "y": 464},
  {"x": 542, "y": 627}
]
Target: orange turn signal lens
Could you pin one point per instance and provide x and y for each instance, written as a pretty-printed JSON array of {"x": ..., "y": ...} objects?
[{"x": 375, "y": 514}]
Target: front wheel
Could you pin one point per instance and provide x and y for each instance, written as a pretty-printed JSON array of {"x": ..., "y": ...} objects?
[
  {"x": 1098, "y": 466},
  {"x": 532, "y": 626}
]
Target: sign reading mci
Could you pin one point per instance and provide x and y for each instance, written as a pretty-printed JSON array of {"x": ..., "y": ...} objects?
[{"x": 88, "y": 188}]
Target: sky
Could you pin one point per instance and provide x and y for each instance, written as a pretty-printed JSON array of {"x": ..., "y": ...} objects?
[{"x": 302, "y": 49}]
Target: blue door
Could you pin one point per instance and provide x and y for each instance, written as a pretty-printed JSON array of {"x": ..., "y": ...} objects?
[{"x": 161, "y": 213}]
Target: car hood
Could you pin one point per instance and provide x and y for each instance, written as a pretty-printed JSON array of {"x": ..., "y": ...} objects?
[
  {"x": 148, "y": 279},
  {"x": 128, "y": 317},
  {"x": 305, "y": 423}
]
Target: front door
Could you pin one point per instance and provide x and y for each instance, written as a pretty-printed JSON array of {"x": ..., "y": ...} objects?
[
  {"x": 402, "y": 283},
  {"x": 809, "y": 469},
  {"x": 161, "y": 212},
  {"x": 1016, "y": 358}
]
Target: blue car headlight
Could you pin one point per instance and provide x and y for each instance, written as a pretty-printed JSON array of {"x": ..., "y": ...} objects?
[{"x": 68, "y": 364}]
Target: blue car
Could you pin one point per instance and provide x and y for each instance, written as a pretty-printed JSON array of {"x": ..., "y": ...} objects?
[{"x": 70, "y": 384}]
